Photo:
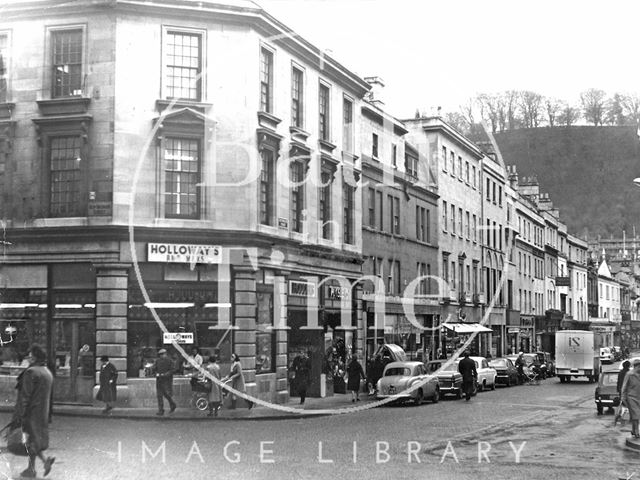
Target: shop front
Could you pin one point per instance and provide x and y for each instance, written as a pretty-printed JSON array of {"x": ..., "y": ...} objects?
[
  {"x": 475, "y": 336},
  {"x": 527, "y": 339}
]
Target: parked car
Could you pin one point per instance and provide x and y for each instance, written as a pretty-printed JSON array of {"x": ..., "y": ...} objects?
[
  {"x": 449, "y": 379},
  {"x": 486, "y": 374},
  {"x": 632, "y": 360},
  {"x": 606, "y": 394},
  {"x": 617, "y": 353},
  {"x": 606, "y": 355},
  {"x": 547, "y": 363},
  {"x": 399, "y": 377},
  {"x": 531, "y": 361},
  {"x": 506, "y": 371}
]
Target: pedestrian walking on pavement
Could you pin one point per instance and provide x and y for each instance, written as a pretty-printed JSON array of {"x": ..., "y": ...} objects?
[
  {"x": 630, "y": 395},
  {"x": 621, "y": 376},
  {"x": 164, "y": 370},
  {"x": 237, "y": 380},
  {"x": 302, "y": 374},
  {"x": 215, "y": 395},
  {"x": 108, "y": 377},
  {"x": 355, "y": 374},
  {"x": 467, "y": 368},
  {"x": 32, "y": 409}
]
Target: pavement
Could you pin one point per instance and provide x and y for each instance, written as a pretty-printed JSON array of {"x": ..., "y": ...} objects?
[{"x": 313, "y": 407}]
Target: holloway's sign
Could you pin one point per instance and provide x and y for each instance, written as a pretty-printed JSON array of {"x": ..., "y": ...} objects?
[
  {"x": 178, "y": 337},
  {"x": 181, "y": 253}
]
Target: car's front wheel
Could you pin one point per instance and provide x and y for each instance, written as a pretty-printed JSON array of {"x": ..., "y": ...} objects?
[
  {"x": 600, "y": 409},
  {"x": 436, "y": 396},
  {"x": 419, "y": 397}
]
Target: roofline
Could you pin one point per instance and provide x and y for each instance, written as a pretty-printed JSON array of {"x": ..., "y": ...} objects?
[
  {"x": 447, "y": 129},
  {"x": 262, "y": 20}
]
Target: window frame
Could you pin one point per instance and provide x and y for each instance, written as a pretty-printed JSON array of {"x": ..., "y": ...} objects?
[
  {"x": 5, "y": 63},
  {"x": 267, "y": 215},
  {"x": 297, "y": 109},
  {"x": 324, "y": 111},
  {"x": 198, "y": 211},
  {"x": 348, "y": 125},
  {"x": 266, "y": 105},
  {"x": 49, "y": 69},
  {"x": 201, "y": 82}
]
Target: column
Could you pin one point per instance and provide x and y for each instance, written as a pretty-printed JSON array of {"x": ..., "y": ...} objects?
[
  {"x": 111, "y": 322},
  {"x": 245, "y": 308},
  {"x": 282, "y": 338}
]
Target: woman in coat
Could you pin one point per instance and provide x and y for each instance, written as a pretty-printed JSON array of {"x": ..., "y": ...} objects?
[
  {"x": 215, "y": 395},
  {"x": 631, "y": 396},
  {"x": 237, "y": 380},
  {"x": 355, "y": 374},
  {"x": 108, "y": 377}
]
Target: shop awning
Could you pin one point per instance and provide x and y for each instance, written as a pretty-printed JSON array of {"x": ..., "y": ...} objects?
[{"x": 466, "y": 327}]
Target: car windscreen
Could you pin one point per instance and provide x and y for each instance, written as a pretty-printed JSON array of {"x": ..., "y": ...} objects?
[
  {"x": 397, "y": 371},
  {"x": 453, "y": 367},
  {"x": 498, "y": 363},
  {"x": 609, "y": 379}
]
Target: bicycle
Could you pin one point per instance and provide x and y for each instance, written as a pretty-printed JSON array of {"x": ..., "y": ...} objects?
[{"x": 531, "y": 376}]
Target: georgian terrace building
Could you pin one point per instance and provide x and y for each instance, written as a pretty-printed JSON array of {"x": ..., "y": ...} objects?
[{"x": 194, "y": 164}]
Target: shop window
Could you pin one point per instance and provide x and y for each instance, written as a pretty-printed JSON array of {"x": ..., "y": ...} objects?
[{"x": 265, "y": 335}]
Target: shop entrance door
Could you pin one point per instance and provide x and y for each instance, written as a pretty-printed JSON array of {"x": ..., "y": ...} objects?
[{"x": 74, "y": 344}]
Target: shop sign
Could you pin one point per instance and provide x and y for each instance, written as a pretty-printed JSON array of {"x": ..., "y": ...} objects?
[
  {"x": 372, "y": 297},
  {"x": 302, "y": 289},
  {"x": 283, "y": 223},
  {"x": 178, "y": 337},
  {"x": 183, "y": 253},
  {"x": 99, "y": 209},
  {"x": 513, "y": 330},
  {"x": 335, "y": 292},
  {"x": 563, "y": 282}
]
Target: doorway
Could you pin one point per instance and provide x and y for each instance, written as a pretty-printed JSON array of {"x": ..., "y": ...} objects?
[{"x": 74, "y": 347}]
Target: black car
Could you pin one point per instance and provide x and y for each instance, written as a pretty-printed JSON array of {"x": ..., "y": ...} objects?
[
  {"x": 547, "y": 364},
  {"x": 506, "y": 371},
  {"x": 606, "y": 394}
]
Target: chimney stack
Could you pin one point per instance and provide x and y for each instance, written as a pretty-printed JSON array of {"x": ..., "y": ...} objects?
[{"x": 375, "y": 94}]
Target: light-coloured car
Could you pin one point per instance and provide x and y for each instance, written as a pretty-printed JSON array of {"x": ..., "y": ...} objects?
[
  {"x": 404, "y": 381},
  {"x": 632, "y": 360},
  {"x": 486, "y": 374},
  {"x": 606, "y": 355}
]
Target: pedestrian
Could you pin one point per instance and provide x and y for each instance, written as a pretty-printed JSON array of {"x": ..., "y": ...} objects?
[
  {"x": 630, "y": 395},
  {"x": 621, "y": 376},
  {"x": 215, "y": 395},
  {"x": 196, "y": 358},
  {"x": 237, "y": 380},
  {"x": 32, "y": 409},
  {"x": 375, "y": 374},
  {"x": 164, "y": 370},
  {"x": 302, "y": 374},
  {"x": 467, "y": 368},
  {"x": 355, "y": 374},
  {"x": 108, "y": 377},
  {"x": 520, "y": 363}
]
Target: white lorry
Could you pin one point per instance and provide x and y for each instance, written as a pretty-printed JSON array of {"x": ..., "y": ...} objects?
[{"x": 576, "y": 355}]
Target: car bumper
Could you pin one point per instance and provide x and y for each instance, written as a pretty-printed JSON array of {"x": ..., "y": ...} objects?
[
  {"x": 400, "y": 397},
  {"x": 502, "y": 378},
  {"x": 608, "y": 402}
]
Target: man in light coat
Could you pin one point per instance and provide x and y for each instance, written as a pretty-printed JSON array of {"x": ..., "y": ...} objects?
[{"x": 630, "y": 395}]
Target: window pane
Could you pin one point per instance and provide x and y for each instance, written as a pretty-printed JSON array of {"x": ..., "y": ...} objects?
[
  {"x": 266, "y": 80},
  {"x": 65, "y": 176},
  {"x": 182, "y": 175},
  {"x": 267, "y": 181},
  {"x": 183, "y": 65},
  {"x": 66, "y": 62}
]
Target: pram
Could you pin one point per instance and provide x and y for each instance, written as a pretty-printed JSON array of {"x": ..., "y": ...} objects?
[{"x": 200, "y": 388}]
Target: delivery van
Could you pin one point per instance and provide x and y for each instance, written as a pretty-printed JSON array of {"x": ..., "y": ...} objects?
[{"x": 576, "y": 355}]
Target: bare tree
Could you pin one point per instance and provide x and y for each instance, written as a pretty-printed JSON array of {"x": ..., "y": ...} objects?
[
  {"x": 458, "y": 121},
  {"x": 468, "y": 110},
  {"x": 531, "y": 108},
  {"x": 631, "y": 107},
  {"x": 593, "y": 105},
  {"x": 553, "y": 107},
  {"x": 568, "y": 115},
  {"x": 511, "y": 104},
  {"x": 490, "y": 110}
]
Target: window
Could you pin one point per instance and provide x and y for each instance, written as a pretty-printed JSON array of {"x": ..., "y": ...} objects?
[
  {"x": 394, "y": 155},
  {"x": 421, "y": 272},
  {"x": 445, "y": 269},
  {"x": 372, "y": 207},
  {"x": 267, "y": 186},
  {"x": 500, "y": 195},
  {"x": 393, "y": 278},
  {"x": 420, "y": 223},
  {"x": 65, "y": 176},
  {"x": 475, "y": 229},
  {"x": 380, "y": 210},
  {"x": 348, "y": 193},
  {"x": 266, "y": 80},
  {"x": 473, "y": 176},
  {"x": 394, "y": 214},
  {"x": 460, "y": 172},
  {"x": 460, "y": 232},
  {"x": 444, "y": 158},
  {"x": 488, "y": 190},
  {"x": 182, "y": 176},
  {"x": 323, "y": 115},
  {"x": 427, "y": 224},
  {"x": 326, "y": 177},
  {"x": 374, "y": 145},
  {"x": 183, "y": 65},
  {"x": 468, "y": 226},
  {"x": 297, "y": 97},
  {"x": 411, "y": 165},
  {"x": 453, "y": 220},
  {"x": 466, "y": 168},
  {"x": 265, "y": 334},
  {"x": 444, "y": 216},
  {"x": 347, "y": 125},
  {"x": 66, "y": 63},
  {"x": 475, "y": 277},
  {"x": 296, "y": 174},
  {"x": 452, "y": 156},
  {"x": 4, "y": 65},
  {"x": 494, "y": 192}
]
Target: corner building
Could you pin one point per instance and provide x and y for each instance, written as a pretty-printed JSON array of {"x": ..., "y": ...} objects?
[{"x": 188, "y": 162}]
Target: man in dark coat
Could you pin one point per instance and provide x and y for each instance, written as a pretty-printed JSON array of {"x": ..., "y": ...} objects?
[
  {"x": 32, "y": 409},
  {"x": 467, "y": 368},
  {"x": 302, "y": 374},
  {"x": 164, "y": 381},
  {"x": 108, "y": 377}
]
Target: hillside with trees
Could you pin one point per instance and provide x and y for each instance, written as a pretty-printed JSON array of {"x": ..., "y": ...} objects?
[{"x": 587, "y": 170}]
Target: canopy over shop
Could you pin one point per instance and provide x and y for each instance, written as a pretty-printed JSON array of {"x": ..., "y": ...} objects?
[{"x": 457, "y": 333}]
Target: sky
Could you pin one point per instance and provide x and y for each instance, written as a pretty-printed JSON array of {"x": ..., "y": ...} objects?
[{"x": 441, "y": 53}]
